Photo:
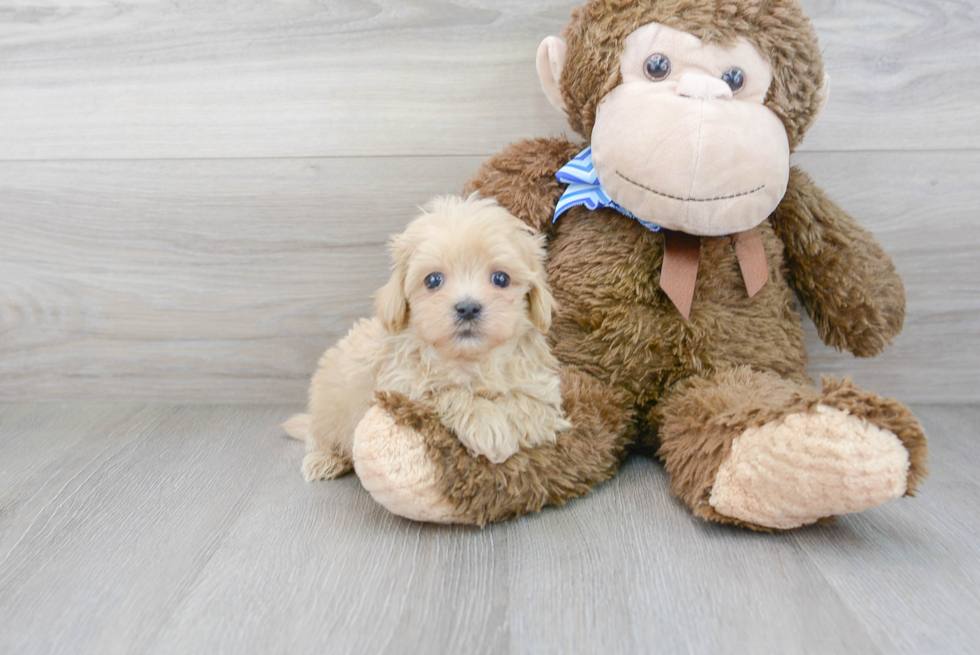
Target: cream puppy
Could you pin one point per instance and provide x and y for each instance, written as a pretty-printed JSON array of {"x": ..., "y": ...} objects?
[{"x": 460, "y": 327}]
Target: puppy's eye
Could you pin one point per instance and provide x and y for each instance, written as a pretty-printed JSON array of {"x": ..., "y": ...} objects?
[
  {"x": 433, "y": 282},
  {"x": 501, "y": 280}
]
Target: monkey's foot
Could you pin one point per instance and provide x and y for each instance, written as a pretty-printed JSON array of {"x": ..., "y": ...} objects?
[
  {"x": 807, "y": 466},
  {"x": 750, "y": 448},
  {"x": 392, "y": 463}
]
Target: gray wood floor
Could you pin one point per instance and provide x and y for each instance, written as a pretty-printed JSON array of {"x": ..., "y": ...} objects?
[{"x": 165, "y": 529}]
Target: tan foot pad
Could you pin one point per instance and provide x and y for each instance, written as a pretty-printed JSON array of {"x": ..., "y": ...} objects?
[
  {"x": 808, "y": 466},
  {"x": 392, "y": 465}
]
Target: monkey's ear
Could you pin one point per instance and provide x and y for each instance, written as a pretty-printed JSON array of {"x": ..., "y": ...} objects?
[
  {"x": 823, "y": 95},
  {"x": 551, "y": 62}
]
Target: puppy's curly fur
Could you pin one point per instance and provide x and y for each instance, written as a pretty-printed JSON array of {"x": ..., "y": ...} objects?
[{"x": 460, "y": 328}]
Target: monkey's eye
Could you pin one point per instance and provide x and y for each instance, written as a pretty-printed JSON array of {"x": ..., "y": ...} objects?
[
  {"x": 433, "y": 282},
  {"x": 501, "y": 280},
  {"x": 657, "y": 67},
  {"x": 735, "y": 78}
]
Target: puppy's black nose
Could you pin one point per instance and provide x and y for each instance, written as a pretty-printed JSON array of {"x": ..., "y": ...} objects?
[{"x": 468, "y": 310}]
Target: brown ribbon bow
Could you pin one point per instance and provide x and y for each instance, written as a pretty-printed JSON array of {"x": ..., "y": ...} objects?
[{"x": 682, "y": 254}]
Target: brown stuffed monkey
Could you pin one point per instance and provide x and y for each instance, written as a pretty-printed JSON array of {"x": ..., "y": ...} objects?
[{"x": 678, "y": 241}]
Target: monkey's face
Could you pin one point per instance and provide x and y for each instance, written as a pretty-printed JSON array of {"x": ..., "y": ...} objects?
[{"x": 686, "y": 141}]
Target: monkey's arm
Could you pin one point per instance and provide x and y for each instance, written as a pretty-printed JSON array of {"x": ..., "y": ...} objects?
[
  {"x": 522, "y": 178},
  {"x": 847, "y": 283}
]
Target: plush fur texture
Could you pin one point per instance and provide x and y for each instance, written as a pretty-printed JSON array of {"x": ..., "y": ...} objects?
[
  {"x": 617, "y": 324},
  {"x": 853, "y": 295},
  {"x": 636, "y": 373},
  {"x": 490, "y": 379}
]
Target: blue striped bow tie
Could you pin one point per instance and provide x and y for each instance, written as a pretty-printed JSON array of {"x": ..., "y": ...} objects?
[{"x": 585, "y": 189}]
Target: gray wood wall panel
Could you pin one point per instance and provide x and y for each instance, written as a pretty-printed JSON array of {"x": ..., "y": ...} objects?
[
  {"x": 194, "y": 197},
  {"x": 151, "y": 79},
  {"x": 217, "y": 280},
  {"x": 925, "y": 209},
  {"x": 224, "y": 280}
]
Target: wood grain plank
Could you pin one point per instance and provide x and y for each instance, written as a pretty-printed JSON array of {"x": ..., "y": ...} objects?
[
  {"x": 321, "y": 568},
  {"x": 189, "y": 529},
  {"x": 67, "y": 443},
  {"x": 954, "y": 438},
  {"x": 922, "y": 208},
  {"x": 897, "y": 566},
  {"x": 223, "y": 281},
  {"x": 153, "y": 79},
  {"x": 894, "y": 67},
  {"x": 636, "y": 573},
  {"x": 919, "y": 557},
  {"x": 216, "y": 279},
  {"x": 96, "y": 551}
]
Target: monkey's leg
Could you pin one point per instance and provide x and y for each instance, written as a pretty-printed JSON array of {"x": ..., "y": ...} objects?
[
  {"x": 416, "y": 468},
  {"x": 753, "y": 449}
]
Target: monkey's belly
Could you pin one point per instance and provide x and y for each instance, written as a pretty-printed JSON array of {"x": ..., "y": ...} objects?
[{"x": 616, "y": 323}]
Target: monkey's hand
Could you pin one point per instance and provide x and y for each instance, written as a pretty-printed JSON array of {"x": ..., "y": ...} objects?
[
  {"x": 522, "y": 178},
  {"x": 847, "y": 283}
]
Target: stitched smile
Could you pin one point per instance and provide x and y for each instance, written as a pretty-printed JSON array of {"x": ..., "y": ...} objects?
[{"x": 667, "y": 195}]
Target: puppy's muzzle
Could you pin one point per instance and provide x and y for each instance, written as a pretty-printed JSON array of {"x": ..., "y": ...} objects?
[{"x": 468, "y": 311}]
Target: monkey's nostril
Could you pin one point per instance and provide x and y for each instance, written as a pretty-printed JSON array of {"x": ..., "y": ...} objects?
[{"x": 468, "y": 310}]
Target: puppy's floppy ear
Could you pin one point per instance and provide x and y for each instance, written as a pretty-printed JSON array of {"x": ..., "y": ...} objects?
[
  {"x": 541, "y": 304},
  {"x": 390, "y": 301},
  {"x": 391, "y": 304}
]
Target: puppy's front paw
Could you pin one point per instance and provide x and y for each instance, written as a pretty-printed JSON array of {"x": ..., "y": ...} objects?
[
  {"x": 320, "y": 465},
  {"x": 488, "y": 433}
]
